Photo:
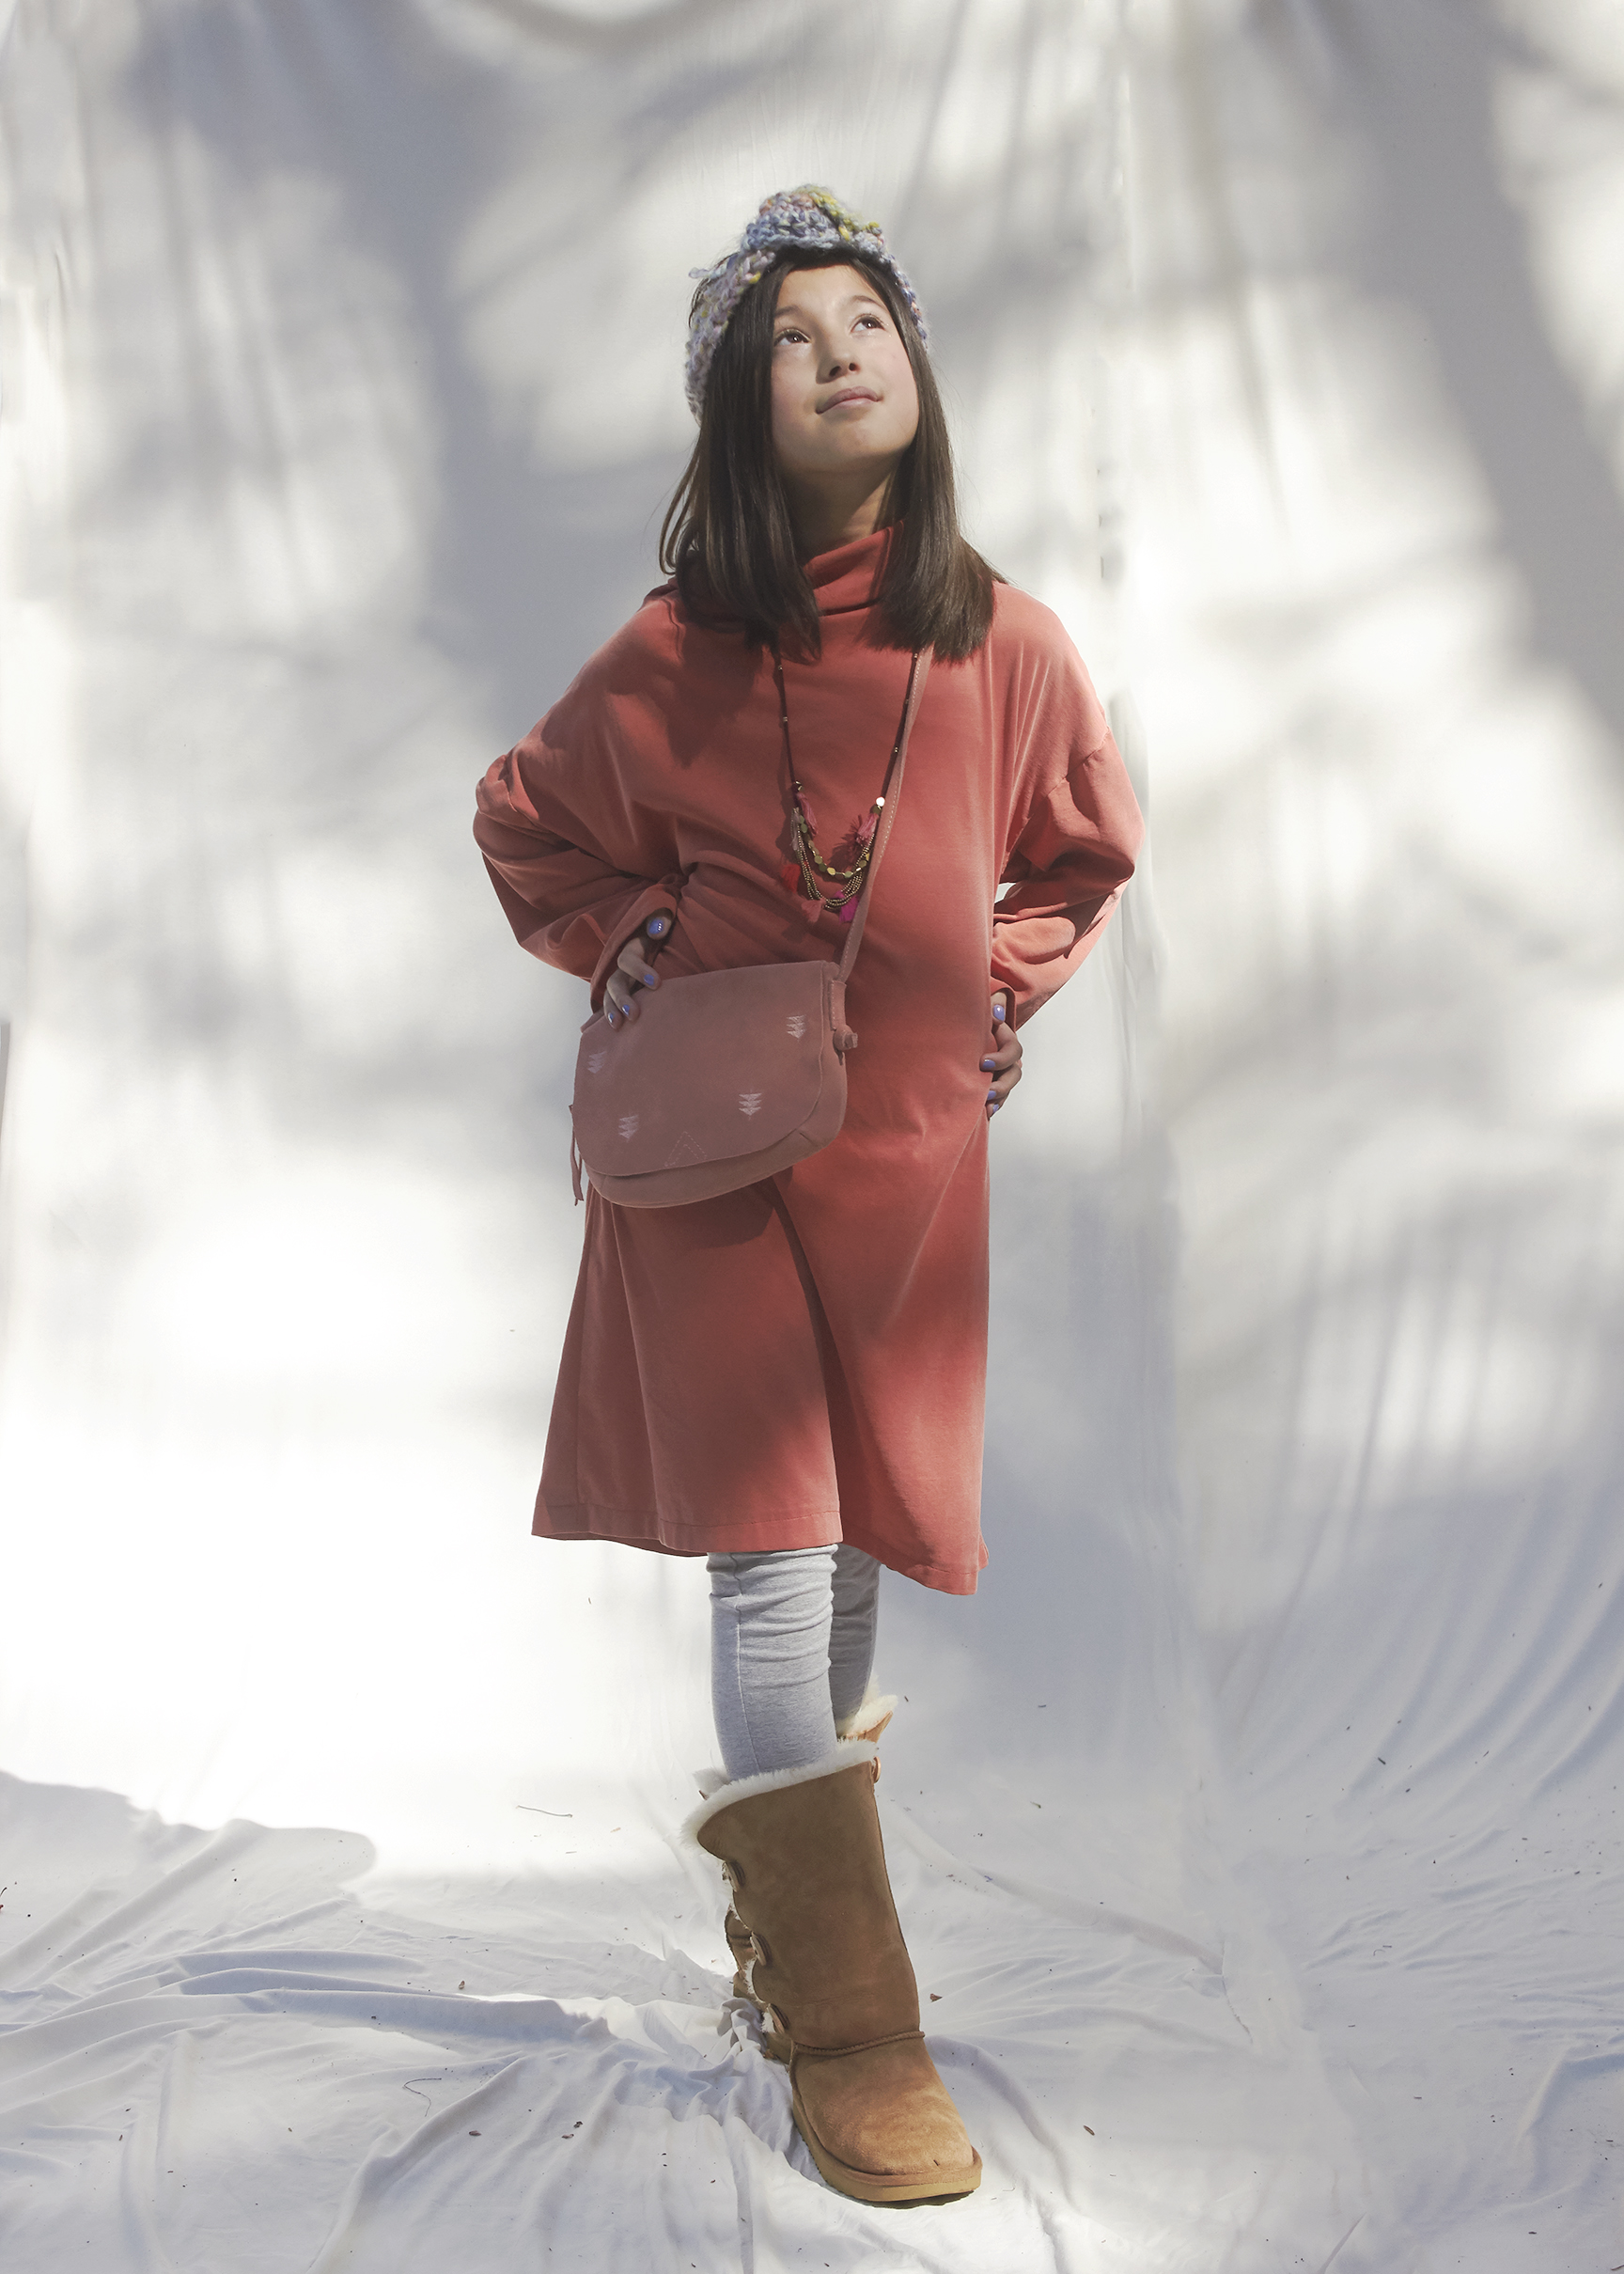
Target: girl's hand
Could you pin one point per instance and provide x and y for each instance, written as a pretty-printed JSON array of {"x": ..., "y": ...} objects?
[
  {"x": 632, "y": 974},
  {"x": 1003, "y": 1063}
]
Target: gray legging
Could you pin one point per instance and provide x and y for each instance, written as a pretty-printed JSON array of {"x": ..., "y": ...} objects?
[{"x": 791, "y": 1650}]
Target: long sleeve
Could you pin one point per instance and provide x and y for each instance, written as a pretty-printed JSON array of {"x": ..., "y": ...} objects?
[
  {"x": 566, "y": 903},
  {"x": 1065, "y": 874}
]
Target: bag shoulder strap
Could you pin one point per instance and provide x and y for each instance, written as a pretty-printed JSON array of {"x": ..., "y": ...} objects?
[{"x": 918, "y": 672}]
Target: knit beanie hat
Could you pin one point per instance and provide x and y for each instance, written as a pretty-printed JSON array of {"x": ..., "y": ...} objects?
[{"x": 810, "y": 218}]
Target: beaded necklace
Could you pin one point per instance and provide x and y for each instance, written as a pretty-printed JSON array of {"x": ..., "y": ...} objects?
[{"x": 803, "y": 874}]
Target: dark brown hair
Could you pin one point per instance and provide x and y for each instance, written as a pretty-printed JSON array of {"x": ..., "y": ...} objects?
[{"x": 728, "y": 538}]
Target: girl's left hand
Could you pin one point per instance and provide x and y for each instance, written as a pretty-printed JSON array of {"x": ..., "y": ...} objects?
[{"x": 1002, "y": 1063}]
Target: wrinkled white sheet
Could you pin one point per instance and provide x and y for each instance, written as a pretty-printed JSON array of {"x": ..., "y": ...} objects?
[{"x": 1255, "y": 1827}]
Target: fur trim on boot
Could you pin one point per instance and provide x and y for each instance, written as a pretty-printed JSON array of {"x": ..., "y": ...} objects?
[
  {"x": 719, "y": 1793},
  {"x": 870, "y": 1721},
  {"x": 822, "y": 1954}
]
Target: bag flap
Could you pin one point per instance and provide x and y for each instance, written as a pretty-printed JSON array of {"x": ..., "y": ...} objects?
[{"x": 723, "y": 1063}]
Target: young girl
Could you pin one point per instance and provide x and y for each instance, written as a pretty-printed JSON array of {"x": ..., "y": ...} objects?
[{"x": 790, "y": 1379}]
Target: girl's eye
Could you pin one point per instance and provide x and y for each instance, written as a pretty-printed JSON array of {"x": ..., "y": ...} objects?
[{"x": 788, "y": 334}]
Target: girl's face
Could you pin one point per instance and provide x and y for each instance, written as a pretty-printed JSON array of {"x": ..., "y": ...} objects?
[{"x": 844, "y": 399}]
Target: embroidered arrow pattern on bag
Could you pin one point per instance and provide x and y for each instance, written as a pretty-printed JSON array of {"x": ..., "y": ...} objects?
[
  {"x": 749, "y": 1102},
  {"x": 796, "y": 1026},
  {"x": 629, "y": 1124},
  {"x": 597, "y": 1062}
]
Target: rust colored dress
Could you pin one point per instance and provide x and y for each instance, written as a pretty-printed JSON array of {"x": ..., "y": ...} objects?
[{"x": 804, "y": 1360}]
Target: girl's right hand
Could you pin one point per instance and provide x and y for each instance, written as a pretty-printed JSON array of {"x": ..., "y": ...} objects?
[{"x": 632, "y": 974}]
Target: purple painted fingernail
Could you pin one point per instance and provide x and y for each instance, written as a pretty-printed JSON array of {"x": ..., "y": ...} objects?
[
  {"x": 649, "y": 980},
  {"x": 992, "y": 1097},
  {"x": 986, "y": 1065}
]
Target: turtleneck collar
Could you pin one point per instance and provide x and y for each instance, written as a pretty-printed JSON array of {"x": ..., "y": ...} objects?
[{"x": 850, "y": 577}]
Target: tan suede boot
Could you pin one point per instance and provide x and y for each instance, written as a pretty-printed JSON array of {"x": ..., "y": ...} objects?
[
  {"x": 866, "y": 1726},
  {"x": 824, "y": 1956}
]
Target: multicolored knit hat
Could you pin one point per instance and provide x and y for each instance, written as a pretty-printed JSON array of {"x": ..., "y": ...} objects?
[{"x": 808, "y": 217}]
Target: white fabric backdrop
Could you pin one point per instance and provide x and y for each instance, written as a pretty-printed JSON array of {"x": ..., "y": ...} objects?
[{"x": 1256, "y": 1826}]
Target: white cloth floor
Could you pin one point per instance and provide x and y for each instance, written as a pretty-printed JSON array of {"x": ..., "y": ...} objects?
[{"x": 1255, "y": 1827}]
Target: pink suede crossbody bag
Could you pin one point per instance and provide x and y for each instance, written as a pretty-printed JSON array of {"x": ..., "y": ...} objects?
[{"x": 728, "y": 1076}]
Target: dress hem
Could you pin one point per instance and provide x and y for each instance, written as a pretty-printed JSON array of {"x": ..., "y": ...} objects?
[{"x": 645, "y": 1529}]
